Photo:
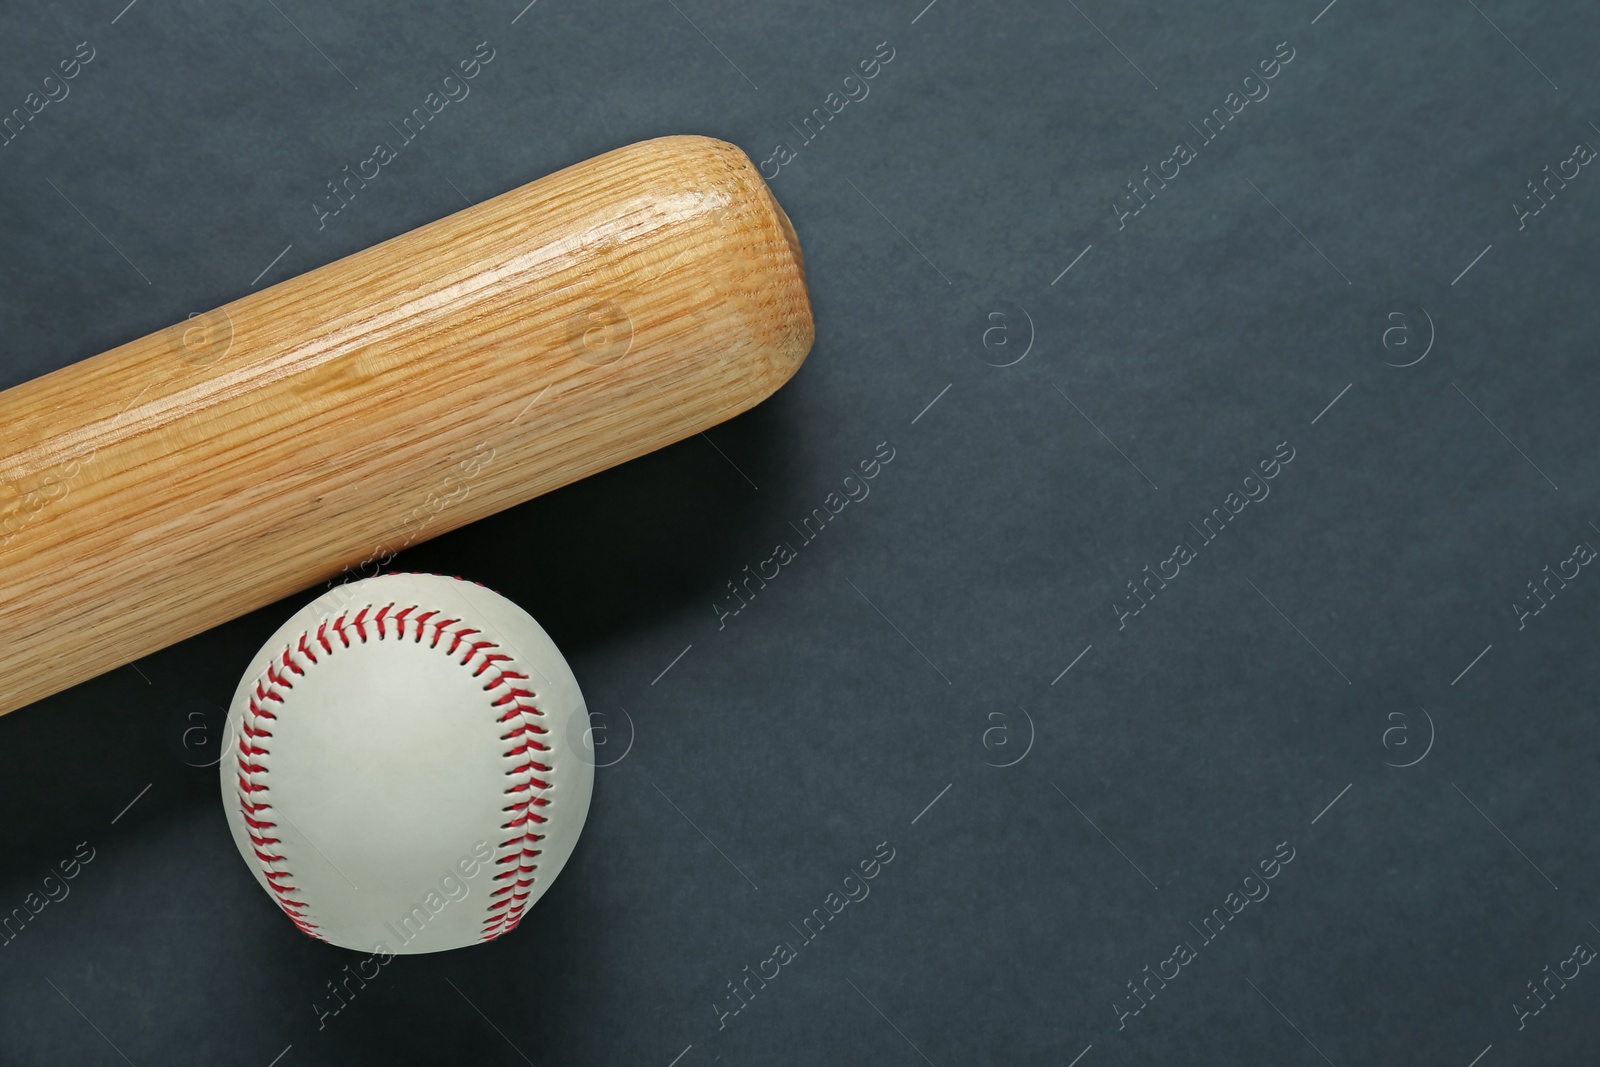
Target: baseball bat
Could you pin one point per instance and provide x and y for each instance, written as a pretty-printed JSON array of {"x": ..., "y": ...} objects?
[{"x": 323, "y": 424}]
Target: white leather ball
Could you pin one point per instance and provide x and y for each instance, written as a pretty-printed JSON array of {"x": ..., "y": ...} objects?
[{"x": 406, "y": 770}]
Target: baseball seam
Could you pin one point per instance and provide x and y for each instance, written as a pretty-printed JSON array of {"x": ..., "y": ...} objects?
[{"x": 514, "y": 707}]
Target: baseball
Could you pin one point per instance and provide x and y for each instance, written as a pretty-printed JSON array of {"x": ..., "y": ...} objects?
[{"x": 404, "y": 772}]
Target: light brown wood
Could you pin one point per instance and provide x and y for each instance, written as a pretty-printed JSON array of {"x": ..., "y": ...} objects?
[{"x": 323, "y": 424}]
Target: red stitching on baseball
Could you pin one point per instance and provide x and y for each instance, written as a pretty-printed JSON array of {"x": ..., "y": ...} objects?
[{"x": 508, "y": 903}]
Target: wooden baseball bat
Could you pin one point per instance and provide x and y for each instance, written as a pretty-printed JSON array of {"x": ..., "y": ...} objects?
[{"x": 323, "y": 424}]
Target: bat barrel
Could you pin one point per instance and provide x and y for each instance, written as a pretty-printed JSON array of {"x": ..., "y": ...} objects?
[{"x": 323, "y": 424}]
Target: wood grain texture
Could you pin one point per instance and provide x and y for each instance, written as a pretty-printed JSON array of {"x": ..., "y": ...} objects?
[{"x": 321, "y": 425}]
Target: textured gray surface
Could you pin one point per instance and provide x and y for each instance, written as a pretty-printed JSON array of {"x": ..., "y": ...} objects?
[{"x": 1360, "y": 616}]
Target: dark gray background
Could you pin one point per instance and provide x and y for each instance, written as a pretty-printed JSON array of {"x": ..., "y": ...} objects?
[{"x": 922, "y": 639}]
